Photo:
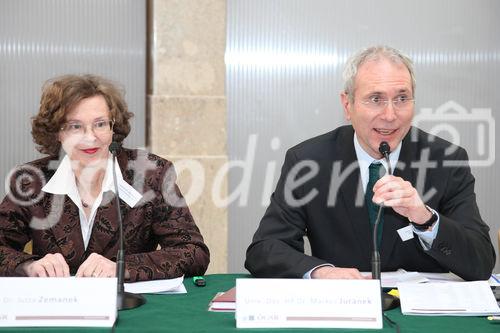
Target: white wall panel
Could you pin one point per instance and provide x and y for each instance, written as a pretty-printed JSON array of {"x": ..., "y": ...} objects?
[{"x": 45, "y": 38}]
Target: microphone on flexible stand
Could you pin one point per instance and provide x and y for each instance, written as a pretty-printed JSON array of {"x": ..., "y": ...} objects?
[
  {"x": 385, "y": 150},
  {"x": 388, "y": 301},
  {"x": 124, "y": 299}
]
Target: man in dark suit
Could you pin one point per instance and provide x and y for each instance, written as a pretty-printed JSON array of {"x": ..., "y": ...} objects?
[{"x": 330, "y": 187}]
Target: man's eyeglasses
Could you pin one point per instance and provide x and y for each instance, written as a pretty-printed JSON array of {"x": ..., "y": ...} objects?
[
  {"x": 377, "y": 103},
  {"x": 98, "y": 127}
]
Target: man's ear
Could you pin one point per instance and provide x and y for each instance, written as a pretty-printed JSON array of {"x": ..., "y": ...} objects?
[{"x": 346, "y": 104}]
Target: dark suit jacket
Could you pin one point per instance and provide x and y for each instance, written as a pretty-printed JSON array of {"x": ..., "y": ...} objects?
[
  {"x": 339, "y": 232},
  {"x": 52, "y": 222}
]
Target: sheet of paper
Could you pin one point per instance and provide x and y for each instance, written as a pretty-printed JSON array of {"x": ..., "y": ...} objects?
[
  {"x": 452, "y": 299},
  {"x": 181, "y": 289},
  {"x": 391, "y": 279},
  {"x": 165, "y": 286},
  {"x": 442, "y": 277},
  {"x": 494, "y": 280}
]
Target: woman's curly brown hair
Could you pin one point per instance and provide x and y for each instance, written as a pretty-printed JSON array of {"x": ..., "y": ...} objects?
[{"x": 61, "y": 94}]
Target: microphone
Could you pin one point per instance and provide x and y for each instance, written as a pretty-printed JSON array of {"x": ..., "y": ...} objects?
[
  {"x": 115, "y": 148},
  {"x": 124, "y": 299},
  {"x": 388, "y": 301},
  {"x": 385, "y": 150}
]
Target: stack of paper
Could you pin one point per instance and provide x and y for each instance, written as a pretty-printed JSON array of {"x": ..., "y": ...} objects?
[{"x": 452, "y": 299}]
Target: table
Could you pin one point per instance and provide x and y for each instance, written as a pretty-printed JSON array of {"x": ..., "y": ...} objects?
[{"x": 188, "y": 313}]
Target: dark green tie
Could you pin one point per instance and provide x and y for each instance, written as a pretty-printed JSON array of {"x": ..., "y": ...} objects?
[{"x": 374, "y": 171}]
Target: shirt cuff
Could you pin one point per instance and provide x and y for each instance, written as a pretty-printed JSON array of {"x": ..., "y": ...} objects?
[
  {"x": 426, "y": 237},
  {"x": 307, "y": 274}
]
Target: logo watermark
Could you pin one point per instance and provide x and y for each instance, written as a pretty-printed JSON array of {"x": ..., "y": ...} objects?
[{"x": 475, "y": 128}]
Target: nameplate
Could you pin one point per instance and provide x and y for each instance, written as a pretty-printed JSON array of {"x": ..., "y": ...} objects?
[
  {"x": 302, "y": 303},
  {"x": 76, "y": 302}
]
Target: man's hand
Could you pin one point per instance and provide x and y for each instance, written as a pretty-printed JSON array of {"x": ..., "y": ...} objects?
[
  {"x": 97, "y": 266},
  {"x": 51, "y": 265},
  {"x": 329, "y": 272},
  {"x": 399, "y": 194}
]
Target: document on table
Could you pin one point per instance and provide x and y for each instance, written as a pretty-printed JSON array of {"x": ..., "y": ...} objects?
[
  {"x": 494, "y": 280},
  {"x": 165, "y": 286},
  {"x": 392, "y": 279},
  {"x": 442, "y": 277},
  {"x": 448, "y": 299}
]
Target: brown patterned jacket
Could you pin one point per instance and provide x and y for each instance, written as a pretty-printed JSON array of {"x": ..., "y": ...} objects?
[{"x": 52, "y": 222}]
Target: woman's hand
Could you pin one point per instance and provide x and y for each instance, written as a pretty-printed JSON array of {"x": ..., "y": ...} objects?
[
  {"x": 51, "y": 265},
  {"x": 97, "y": 266}
]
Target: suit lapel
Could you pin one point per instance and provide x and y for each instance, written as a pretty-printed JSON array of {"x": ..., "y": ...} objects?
[
  {"x": 67, "y": 231},
  {"x": 392, "y": 220},
  {"x": 352, "y": 195},
  {"x": 351, "y": 190},
  {"x": 105, "y": 225}
]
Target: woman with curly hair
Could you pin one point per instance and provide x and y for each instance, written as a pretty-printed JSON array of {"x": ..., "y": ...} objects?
[{"x": 65, "y": 203}]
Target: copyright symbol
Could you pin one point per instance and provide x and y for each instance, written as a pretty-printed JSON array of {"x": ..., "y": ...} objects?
[{"x": 18, "y": 185}]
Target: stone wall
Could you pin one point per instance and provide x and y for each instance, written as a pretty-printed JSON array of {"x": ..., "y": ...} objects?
[{"x": 187, "y": 106}]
